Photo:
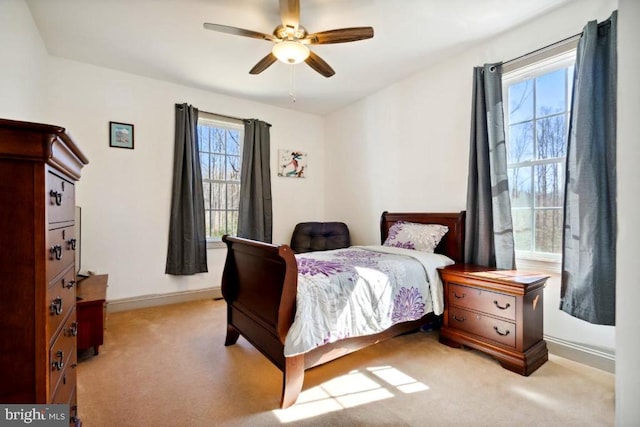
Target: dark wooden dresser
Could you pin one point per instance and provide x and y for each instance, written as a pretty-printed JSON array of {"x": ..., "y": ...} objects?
[
  {"x": 495, "y": 311},
  {"x": 39, "y": 166}
]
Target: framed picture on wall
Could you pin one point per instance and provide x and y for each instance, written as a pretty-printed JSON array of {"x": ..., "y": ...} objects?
[
  {"x": 292, "y": 163},
  {"x": 120, "y": 135}
]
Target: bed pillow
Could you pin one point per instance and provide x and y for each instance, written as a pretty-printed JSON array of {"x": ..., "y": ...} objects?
[{"x": 410, "y": 235}]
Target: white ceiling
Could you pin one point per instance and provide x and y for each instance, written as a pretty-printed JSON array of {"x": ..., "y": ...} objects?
[{"x": 165, "y": 39}]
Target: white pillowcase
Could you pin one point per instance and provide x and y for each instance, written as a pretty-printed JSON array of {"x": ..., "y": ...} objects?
[{"x": 411, "y": 235}]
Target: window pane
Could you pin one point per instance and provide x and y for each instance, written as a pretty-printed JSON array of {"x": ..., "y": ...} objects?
[
  {"x": 551, "y": 137},
  {"x": 520, "y": 187},
  {"x": 218, "y": 140},
  {"x": 232, "y": 222},
  {"x": 550, "y": 93},
  {"x": 549, "y": 230},
  {"x": 218, "y": 197},
  {"x": 203, "y": 138},
  {"x": 521, "y": 101},
  {"x": 549, "y": 185},
  {"x": 206, "y": 190},
  {"x": 217, "y": 219},
  {"x": 520, "y": 142},
  {"x": 233, "y": 143},
  {"x": 233, "y": 168},
  {"x": 233, "y": 196},
  {"x": 204, "y": 166},
  {"x": 522, "y": 229},
  {"x": 218, "y": 170}
]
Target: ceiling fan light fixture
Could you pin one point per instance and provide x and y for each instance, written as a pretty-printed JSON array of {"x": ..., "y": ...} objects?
[{"x": 290, "y": 52}]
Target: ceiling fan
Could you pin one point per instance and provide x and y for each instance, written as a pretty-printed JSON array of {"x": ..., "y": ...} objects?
[{"x": 291, "y": 39}]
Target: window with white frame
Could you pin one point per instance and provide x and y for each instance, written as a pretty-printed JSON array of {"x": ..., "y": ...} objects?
[
  {"x": 220, "y": 145},
  {"x": 537, "y": 104}
]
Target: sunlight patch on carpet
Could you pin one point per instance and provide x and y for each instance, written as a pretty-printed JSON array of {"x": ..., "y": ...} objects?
[{"x": 347, "y": 391}]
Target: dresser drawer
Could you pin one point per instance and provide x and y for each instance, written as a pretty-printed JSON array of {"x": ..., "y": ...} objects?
[
  {"x": 493, "y": 303},
  {"x": 60, "y": 195},
  {"x": 60, "y": 251},
  {"x": 61, "y": 297},
  {"x": 483, "y": 326},
  {"x": 65, "y": 390},
  {"x": 62, "y": 354}
]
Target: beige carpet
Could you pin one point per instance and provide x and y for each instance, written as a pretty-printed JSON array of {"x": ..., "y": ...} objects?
[{"x": 167, "y": 366}]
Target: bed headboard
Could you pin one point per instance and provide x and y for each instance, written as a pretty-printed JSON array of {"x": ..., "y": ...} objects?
[{"x": 451, "y": 245}]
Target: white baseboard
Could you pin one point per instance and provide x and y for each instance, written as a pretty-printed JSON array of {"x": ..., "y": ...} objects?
[
  {"x": 155, "y": 300},
  {"x": 598, "y": 358}
]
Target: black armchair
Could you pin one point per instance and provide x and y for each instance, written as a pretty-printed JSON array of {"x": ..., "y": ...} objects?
[{"x": 319, "y": 236}]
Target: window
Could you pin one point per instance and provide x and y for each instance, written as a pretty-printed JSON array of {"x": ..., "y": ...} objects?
[
  {"x": 537, "y": 101},
  {"x": 220, "y": 145}
]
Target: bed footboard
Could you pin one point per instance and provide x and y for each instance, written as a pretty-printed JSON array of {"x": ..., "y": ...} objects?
[{"x": 259, "y": 285}]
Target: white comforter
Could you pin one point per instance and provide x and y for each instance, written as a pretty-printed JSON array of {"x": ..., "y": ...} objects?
[{"x": 361, "y": 290}]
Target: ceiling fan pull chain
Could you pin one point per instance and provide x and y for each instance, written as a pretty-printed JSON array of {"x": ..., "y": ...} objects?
[{"x": 292, "y": 84}]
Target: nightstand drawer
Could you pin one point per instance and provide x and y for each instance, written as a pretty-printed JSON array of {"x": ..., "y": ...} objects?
[
  {"x": 483, "y": 326},
  {"x": 493, "y": 303}
]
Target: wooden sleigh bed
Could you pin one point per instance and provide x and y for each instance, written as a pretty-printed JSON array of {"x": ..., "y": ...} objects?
[{"x": 259, "y": 285}]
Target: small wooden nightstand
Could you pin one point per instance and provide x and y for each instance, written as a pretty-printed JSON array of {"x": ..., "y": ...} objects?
[
  {"x": 498, "y": 312},
  {"x": 91, "y": 307}
]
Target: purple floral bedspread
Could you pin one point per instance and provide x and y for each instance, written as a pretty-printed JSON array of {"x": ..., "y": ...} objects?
[{"x": 361, "y": 291}]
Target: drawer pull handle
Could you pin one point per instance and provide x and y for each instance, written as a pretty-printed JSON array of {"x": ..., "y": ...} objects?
[
  {"x": 503, "y": 334},
  {"x": 72, "y": 331},
  {"x": 458, "y": 296},
  {"x": 72, "y": 244},
  {"x": 59, "y": 364},
  {"x": 56, "y": 306},
  {"x": 57, "y": 197},
  {"x": 69, "y": 284},
  {"x": 459, "y": 319},
  {"x": 507, "y": 305},
  {"x": 56, "y": 252}
]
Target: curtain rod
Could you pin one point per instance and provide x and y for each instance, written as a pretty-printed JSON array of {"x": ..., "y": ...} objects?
[
  {"x": 232, "y": 117},
  {"x": 217, "y": 114},
  {"x": 223, "y": 115},
  {"x": 512, "y": 62}
]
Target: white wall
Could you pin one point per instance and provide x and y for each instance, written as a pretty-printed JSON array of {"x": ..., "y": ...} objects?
[
  {"x": 628, "y": 282},
  {"x": 406, "y": 147},
  {"x": 22, "y": 68},
  {"x": 125, "y": 194}
]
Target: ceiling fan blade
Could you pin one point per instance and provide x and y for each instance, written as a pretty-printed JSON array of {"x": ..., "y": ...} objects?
[
  {"x": 238, "y": 31},
  {"x": 318, "y": 64},
  {"x": 290, "y": 13},
  {"x": 263, "y": 64},
  {"x": 341, "y": 35}
]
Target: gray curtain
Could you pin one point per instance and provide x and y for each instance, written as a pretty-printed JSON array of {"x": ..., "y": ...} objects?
[
  {"x": 255, "y": 219},
  {"x": 187, "y": 252},
  {"x": 489, "y": 230},
  {"x": 589, "y": 252}
]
